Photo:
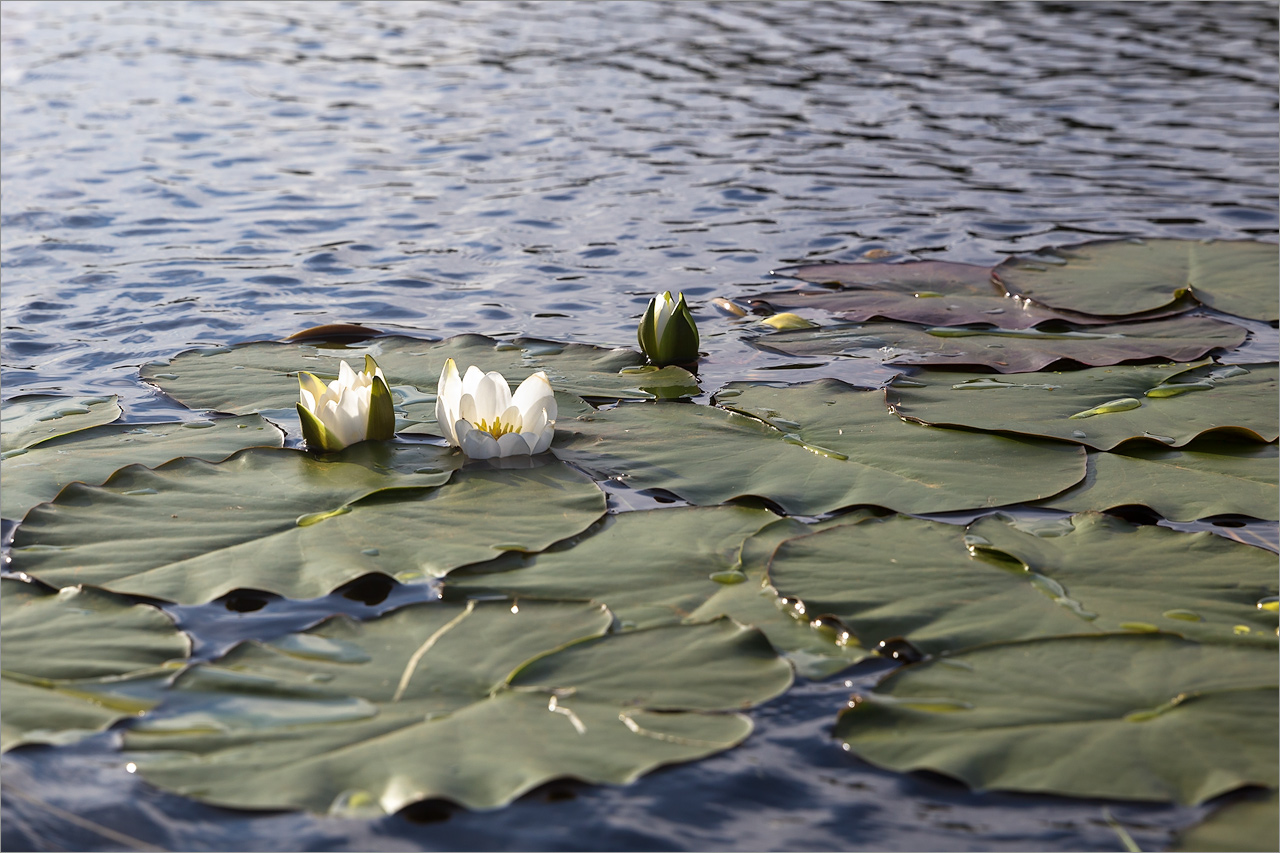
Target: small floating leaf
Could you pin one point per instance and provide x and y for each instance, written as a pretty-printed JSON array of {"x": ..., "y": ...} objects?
[{"x": 1122, "y": 404}]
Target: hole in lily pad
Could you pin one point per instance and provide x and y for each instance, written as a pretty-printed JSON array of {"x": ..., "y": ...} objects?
[{"x": 369, "y": 590}]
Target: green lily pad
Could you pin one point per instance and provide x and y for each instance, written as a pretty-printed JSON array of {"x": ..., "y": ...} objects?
[
  {"x": 1247, "y": 823},
  {"x": 1011, "y": 350},
  {"x": 188, "y": 508},
  {"x": 811, "y": 449},
  {"x": 1202, "y": 479},
  {"x": 262, "y": 376},
  {"x": 32, "y": 418},
  {"x": 476, "y": 703},
  {"x": 713, "y": 574},
  {"x": 290, "y": 525},
  {"x": 915, "y": 579},
  {"x": 1124, "y": 277},
  {"x": 1140, "y": 717},
  {"x": 77, "y": 660},
  {"x": 932, "y": 293},
  {"x": 36, "y": 474},
  {"x": 1101, "y": 407}
]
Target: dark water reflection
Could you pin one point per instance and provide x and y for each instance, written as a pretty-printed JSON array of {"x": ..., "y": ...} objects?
[{"x": 185, "y": 174}]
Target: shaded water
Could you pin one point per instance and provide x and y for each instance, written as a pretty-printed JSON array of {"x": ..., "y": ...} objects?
[{"x": 179, "y": 175}]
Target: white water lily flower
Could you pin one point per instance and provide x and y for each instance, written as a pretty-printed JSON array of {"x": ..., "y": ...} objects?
[
  {"x": 352, "y": 408},
  {"x": 478, "y": 413}
]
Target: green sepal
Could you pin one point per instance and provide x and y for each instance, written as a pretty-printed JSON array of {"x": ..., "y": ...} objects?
[
  {"x": 679, "y": 344},
  {"x": 647, "y": 332},
  {"x": 382, "y": 413},
  {"x": 319, "y": 438}
]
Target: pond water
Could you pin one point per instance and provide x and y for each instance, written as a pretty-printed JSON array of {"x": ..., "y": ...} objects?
[{"x": 200, "y": 174}]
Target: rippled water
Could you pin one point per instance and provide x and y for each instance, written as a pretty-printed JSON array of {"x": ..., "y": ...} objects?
[{"x": 186, "y": 174}]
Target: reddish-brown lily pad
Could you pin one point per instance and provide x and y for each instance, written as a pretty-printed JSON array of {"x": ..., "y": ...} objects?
[
  {"x": 935, "y": 293},
  {"x": 1184, "y": 338}
]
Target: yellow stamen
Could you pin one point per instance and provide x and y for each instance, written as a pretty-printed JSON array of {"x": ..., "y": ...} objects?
[{"x": 497, "y": 429}]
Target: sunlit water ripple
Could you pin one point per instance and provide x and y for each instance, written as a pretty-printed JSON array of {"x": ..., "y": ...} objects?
[{"x": 180, "y": 175}]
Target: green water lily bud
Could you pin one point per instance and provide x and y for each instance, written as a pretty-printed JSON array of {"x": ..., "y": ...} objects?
[
  {"x": 667, "y": 333},
  {"x": 352, "y": 408}
]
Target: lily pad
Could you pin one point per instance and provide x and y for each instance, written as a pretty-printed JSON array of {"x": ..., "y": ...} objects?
[
  {"x": 187, "y": 508},
  {"x": 1011, "y": 350},
  {"x": 1119, "y": 278},
  {"x": 1101, "y": 407},
  {"x": 667, "y": 566},
  {"x": 290, "y": 525},
  {"x": 1204, "y": 478},
  {"x": 1247, "y": 823},
  {"x": 811, "y": 449},
  {"x": 36, "y": 474},
  {"x": 932, "y": 293},
  {"x": 75, "y": 661},
  {"x": 32, "y": 418},
  {"x": 915, "y": 579},
  {"x": 475, "y": 702},
  {"x": 1140, "y": 717},
  {"x": 262, "y": 376}
]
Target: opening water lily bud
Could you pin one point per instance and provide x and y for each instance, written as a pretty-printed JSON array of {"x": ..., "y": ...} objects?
[
  {"x": 478, "y": 413},
  {"x": 352, "y": 408},
  {"x": 667, "y": 333}
]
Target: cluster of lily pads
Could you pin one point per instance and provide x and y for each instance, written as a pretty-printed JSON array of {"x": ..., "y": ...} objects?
[{"x": 1066, "y": 651}]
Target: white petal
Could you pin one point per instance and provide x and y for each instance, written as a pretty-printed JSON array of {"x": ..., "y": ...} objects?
[
  {"x": 513, "y": 444},
  {"x": 493, "y": 396},
  {"x": 665, "y": 306},
  {"x": 308, "y": 401},
  {"x": 467, "y": 409},
  {"x": 533, "y": 393},
  {"x": 512, "y": 418},
  {"x": 346, "y": 376},
  {"x": 448, "y": 392},
  {"x": 471, "y": 379},
  {"x": 543, "y": 438},
  {"x": 480, "y": 445},
  {"x": 460, "y": 429},
  {"x": 538, "y": 419}
]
